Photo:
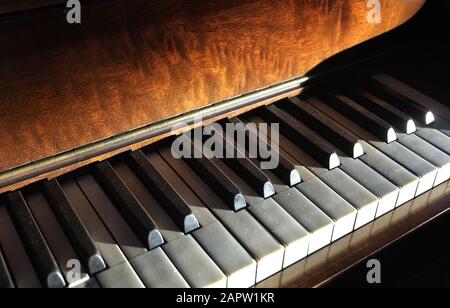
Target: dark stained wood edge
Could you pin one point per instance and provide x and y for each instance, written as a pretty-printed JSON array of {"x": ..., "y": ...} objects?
[
  {"x": 15, "y": 7},
  {"x": 8, "y": 7},
  {"x": 322, "y": 267},
  {"x": 57, "y": 165}
]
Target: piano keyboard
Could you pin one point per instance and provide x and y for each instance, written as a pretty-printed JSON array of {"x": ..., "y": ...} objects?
[{"x": 146, "y": 219}]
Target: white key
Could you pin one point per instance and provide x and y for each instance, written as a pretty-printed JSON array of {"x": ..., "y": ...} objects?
[
  {"x": 194, "y": 264},
  {"x": 157, "y": 271},
  {"x": 284, "y": 228},
  {"x": 363, "y": 200},
  {"x": 375, "y": 183},
  {"x": 392, "y": 171},
  {"x": 414, "y": 163},
  {"x": 228, "y": 254},
  {"x": 429, "y": 153},
  {"x": 120, "y": 276},
  {"x": 331, "y": 204},
  {"x": 436, "y": 138},
  {"x": 316, "y": 222}
]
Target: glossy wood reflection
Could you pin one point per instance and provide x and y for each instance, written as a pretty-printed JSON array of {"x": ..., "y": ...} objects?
[{"x": 132, "y": 63}]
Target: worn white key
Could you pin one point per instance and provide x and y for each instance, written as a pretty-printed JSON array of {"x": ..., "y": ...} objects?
[
  {"x": 284, "y": 228},
  {"x": 331, "y": 204},
  {"x": 314, "y": 220},
  {"x": 429, "y": 153},
  {"x": 414, "y": 163},
  {"x": 436, "y": 138},
  {"x": 194, "y": 264},
  {"x": 228, "y": 254},
  {"x": 268, "y": 252},
  {"x": 375, "y": 183},
  {"x": 120, "y": 276},
  {"x": 363, "y": 200},
  {"x": 402, "y": 178},
  {"x": 157, "y": 271}
]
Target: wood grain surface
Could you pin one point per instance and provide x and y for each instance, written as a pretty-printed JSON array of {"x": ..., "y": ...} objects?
[{"x": 133, "y": 63}]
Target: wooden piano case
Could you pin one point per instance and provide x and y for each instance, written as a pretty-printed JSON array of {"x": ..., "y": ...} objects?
[
  {"x": 75, "y": 94},
  {"x": 72, "y": 94}
]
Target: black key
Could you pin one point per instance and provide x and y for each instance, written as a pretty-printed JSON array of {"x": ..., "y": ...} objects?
[
  {"x": 361, "y": 116},
  {"x": 305, "y": 175},
  {"x": 106, "y": 245},
  {"x": 15, "y": 254},
  {"x": 219, "y": 182},
  {"x": 166, "y": 226},
  {"x": 55, "y": 237},
  {"x": 285, "y": 170},
  {"x": 6, "y": 281},
  {"x": 167, "y": 196},
  {"x": 256, "y": 178},
  {"x": 302, "y": 135},
  {"x": 201, "y": 212},
  {"x": 34, "y": 242},
  {"x": 325, "y": 127},
  {"x": 418, "y": 112},
  {"x": 141, "y": 222},
  {"x": 73, "y": 227},
  {"x": 382, "y": 109},
  {"x": 111, "y": 217}
]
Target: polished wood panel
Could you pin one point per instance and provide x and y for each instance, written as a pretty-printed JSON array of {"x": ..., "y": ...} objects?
[
  {"x": 323, "y": 266},
  {"x": 132, "y": 63}
]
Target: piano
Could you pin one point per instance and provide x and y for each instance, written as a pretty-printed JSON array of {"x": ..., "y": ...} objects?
[{"x": 350, "y": 97}]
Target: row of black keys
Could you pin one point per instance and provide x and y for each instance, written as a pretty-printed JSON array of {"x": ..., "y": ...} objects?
[{"x": 310, "y": 129}]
